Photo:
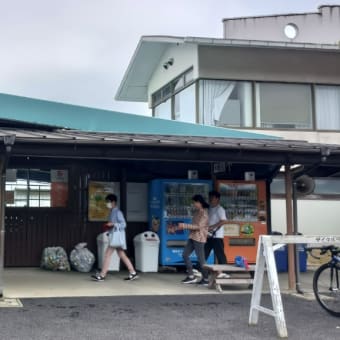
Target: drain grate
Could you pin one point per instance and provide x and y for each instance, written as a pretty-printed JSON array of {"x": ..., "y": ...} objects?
[{"x": 7, "y": 302}]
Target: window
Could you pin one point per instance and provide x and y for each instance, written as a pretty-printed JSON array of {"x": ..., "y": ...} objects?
[
  {"x": 167, "y": 91},
  {"x": 283, "y": 106},
  {"x": 324, "y": 188},
  {"x": 188, "y": 76},
  {"x": 185, "y": 108},
  {"x": 229, "y": 103},
  {"x": 36, "y": 188},
  {"x": 225, "y": 103},
  {"x": 291, "y": 31},
  {"x": 178, "y": 83},
  {"x": 163, "y": 110},
  {"x": 327, "y": 107},
  {"x": 162, "y": 99}
]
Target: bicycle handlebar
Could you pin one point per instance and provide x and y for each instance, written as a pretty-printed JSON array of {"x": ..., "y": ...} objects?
[{"x": 324, "y": 249}]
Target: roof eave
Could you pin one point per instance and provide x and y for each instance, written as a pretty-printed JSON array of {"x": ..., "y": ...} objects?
[
  {"x": 149, "y": 63},
  {"x": 159, "y": 43}
]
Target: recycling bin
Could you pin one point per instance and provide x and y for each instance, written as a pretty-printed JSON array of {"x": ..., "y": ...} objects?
[
  {"x": 281, "y": 258},
  {"x": 146, "y": 251},
  {"x": 102, "y": 244},
  {"x": 302, "y": 257}
]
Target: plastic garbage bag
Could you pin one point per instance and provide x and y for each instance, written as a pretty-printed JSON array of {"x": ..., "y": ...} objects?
[
  {"x": 81, "y": 258},
  {"x": 55, "y": 258}
]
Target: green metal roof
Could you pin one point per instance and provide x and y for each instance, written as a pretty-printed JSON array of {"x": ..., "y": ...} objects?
[{"x": 42, "y": 112}]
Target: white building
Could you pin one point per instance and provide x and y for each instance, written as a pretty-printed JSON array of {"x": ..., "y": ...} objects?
[{"x": 277, "y": 74}]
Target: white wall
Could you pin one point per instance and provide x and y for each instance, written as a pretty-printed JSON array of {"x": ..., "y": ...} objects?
[
  {"x": 323, "y": 26},
  {"x": 184, "y": 55},
  {"x": 312, "y": 137},
  {"x": 315, "y": 217}
]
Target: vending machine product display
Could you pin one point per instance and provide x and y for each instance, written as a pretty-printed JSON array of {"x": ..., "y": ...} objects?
[
  {"x": 169, "y": 204},
  {"x": 246, "y": 209}
]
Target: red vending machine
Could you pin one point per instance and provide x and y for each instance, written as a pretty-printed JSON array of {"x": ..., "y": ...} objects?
[{"x": 246, "y": 208}]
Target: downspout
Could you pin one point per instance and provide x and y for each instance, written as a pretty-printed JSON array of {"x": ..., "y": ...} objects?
[{"x": 8, "y": 142}]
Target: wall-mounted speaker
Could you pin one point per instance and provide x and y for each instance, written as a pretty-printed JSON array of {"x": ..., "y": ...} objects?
[{"x": 305, "y": 185}]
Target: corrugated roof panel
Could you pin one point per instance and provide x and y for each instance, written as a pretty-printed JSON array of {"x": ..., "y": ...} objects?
[
  {"x": 96, "y": 138},
  {"x": 68, "y": 116}
]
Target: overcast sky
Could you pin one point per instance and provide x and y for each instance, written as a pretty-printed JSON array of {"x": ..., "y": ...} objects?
[{"x": 76, "y": 51}]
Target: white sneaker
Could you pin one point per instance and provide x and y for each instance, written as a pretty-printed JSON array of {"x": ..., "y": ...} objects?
[
  {"x": 223, "y": 276},
  {"x": 132, "y": 277},
  {"x": 189, "y": 279},
  {"x": 197, "y": 273}
]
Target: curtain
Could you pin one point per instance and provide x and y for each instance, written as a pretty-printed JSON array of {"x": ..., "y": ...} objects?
[
  {"x": 327, "y": 105},
  {"x": 215, "y": 95}
]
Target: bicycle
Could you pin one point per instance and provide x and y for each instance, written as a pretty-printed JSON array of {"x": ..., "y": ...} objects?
[{"x": 326, "y": 284}]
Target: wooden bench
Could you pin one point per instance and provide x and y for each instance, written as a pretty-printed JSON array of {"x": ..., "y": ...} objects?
[{"x": 238, "y": 275}]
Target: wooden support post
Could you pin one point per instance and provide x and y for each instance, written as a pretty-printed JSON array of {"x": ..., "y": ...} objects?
[
  {"x": 290, "y": 227},
  {"x": 2, "y": 226}
]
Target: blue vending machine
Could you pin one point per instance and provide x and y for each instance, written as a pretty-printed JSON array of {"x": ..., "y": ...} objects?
[{"x": 169, "y": 204}]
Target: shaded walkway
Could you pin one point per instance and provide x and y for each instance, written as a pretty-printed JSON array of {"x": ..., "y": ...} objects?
[{"x": 35, "y": 283}]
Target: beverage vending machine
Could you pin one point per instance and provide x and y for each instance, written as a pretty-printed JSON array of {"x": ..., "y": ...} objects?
[
  {"x": 170, "y": 202},
  {"x": 246, "y": 209}
]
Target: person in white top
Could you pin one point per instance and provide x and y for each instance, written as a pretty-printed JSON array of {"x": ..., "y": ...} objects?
[{"x": 215, "y": 241}]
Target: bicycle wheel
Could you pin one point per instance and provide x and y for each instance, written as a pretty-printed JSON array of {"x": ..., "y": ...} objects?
[{"x": 326, "y": 288}]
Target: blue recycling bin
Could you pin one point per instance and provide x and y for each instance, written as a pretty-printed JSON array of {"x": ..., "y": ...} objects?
[
  {"x": 302, "y": 257},
  {"x": 281, "y": 258}
]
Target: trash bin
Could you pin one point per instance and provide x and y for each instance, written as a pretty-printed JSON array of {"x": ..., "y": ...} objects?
[
  {"x": 146, "y": 251},
  {"x": 102, "y": 244},
  {"x": 281, "y": 258},
  {"x": 302, "y": 257}
]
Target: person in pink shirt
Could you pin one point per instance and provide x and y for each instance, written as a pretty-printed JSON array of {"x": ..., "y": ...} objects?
[{"x": 197, "y": 239}]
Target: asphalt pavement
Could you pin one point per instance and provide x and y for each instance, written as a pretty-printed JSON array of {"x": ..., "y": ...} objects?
[{"x": 217, "y": 316}]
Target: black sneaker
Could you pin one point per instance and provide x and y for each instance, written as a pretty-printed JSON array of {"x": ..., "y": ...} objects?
[
  {"x": 203, "y": 282},
  {"x": 97, "y": 277},
  {"x": 131, "y": 277},
  {"x": 189, "y": 279}
]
